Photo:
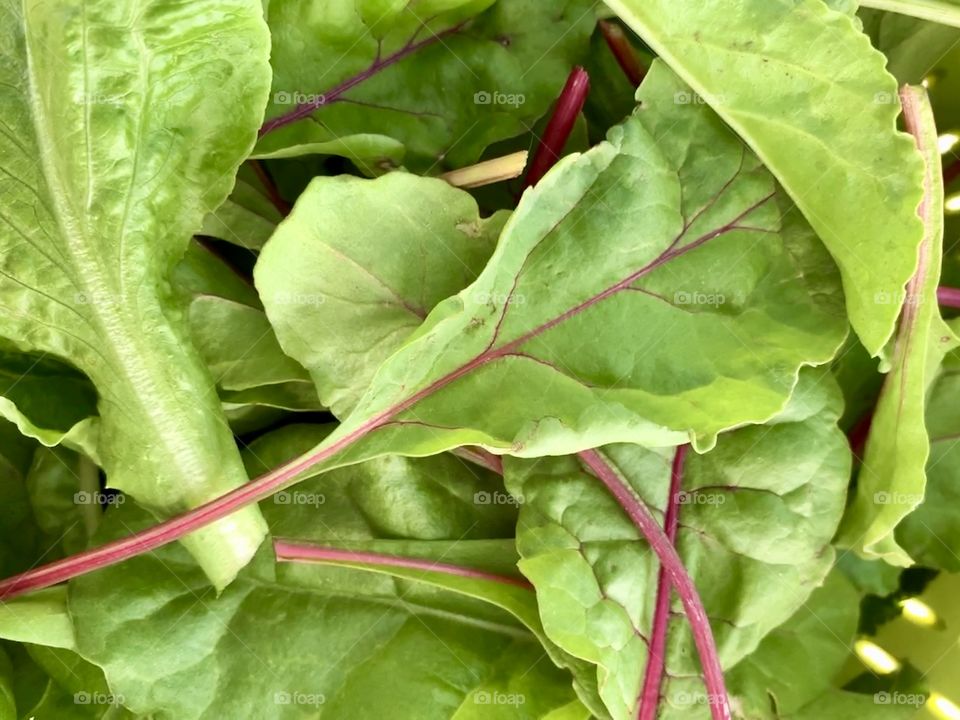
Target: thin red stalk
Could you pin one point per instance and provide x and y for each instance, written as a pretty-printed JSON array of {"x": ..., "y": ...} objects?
[
  {"x": 336, "y": 93},
  {"x": 560, "y": 125},
  {"x": 656, "y": 664},
  {"x": 673, "y": 567},
  {"x": 948, "y": 297},
  {"x": 481, "y": 457},
  {"x": 623, "y": 51},
  {"x": 282, "y": 206},
  {"x": 294, "y": 551},
  {"x": 857, "y": 437},
  {"x": 264, "y": 486}
]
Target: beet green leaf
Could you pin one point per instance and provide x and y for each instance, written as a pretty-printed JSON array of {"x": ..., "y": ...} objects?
[
  {"x": 755, "y": 518},
  {"x": 606, "y": 273},
  {"x": 814, "y": 101}
]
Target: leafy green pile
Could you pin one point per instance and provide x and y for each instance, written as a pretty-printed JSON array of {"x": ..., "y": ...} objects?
[{"x": 317, "y": 403}]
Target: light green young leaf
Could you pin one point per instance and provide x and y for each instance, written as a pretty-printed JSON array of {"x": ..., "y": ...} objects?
[
  {"x": 48, "y": 400},
  {"x": 112, "y": 154},
  {"x": 442, "y": 93},
  {"x": 363, "y": 263},
  {"x": 798, "y": 661},
  {"x": 240, "y": 347},
  {"x": 945, "y": 12},
  {"x": 931, "y": 533},
  {"x": 814, "y": 101},
  {"x": 755, "y": 516},
  {"x": 912, "y": 47},
  {"x": 374, "y": 645},
  {"x": 8, "y": 703},
  {"x": 892, "y": 479},
  {"x": 201, "y": 272},
  {"x": 41, "y": 618},
  {"x": 247, "y": 218},
  {"x": 607, "y": 272}
]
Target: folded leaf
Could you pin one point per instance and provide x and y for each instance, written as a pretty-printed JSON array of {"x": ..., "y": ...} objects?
[
  {"x": 755, "y": 516},
  {"x": 368, "y": 80},
  {"x": 814, "y": 101},
  {"x": 112, "y": 154},
  {"x": 892, "y": 479},
  {"x": 571, "y": 336}
]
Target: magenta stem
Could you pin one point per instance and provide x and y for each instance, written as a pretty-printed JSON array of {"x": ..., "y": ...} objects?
[
  {"x": 266, "y": 485},
  {"x": 656, "y": 664},
  {"x": 623, "y": 51},
  {"x": 296, "y": 551},
  {"x": 948, "y": 297},
  {"x": 331, "y": 96},
  {"x": 561, "y": 123},
  {"x": 282, "y": 206},
  {"x": 673, "y": 567}
]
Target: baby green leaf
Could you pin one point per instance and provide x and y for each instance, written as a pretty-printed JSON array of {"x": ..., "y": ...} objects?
[
  {"x": 814, "y": 101},
  {"x": 363, "y": 263},
  {"x": 111, "y": 154},
  {"x": 755, "y": 516},
  {"x": 425, "y": 84},
  {"x": 571, "y": 335},
  {"x": 892, "y": 479}
]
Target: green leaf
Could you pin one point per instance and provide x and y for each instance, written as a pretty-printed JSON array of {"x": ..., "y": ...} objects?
[
  {"x": 813, "y": 100},
  {"x": 797, "y": 662},
  {"x": 47, "y": 400},
  {"x": 41, "y": 618},
  {"x": 755, "y": 515},
  {"x": 201, "y": 272},
  {"x": 913, "y": 47},
  {"x": 892, "y": 479},
  {"x": 441, "y": 92},
  {"x": 8, "y": 703},
  {"x": 931, "y": 533},
  {"x": 578, "y": 331},
  {"x": 839, "y": 705},
  {"x": 247, "y": 218},
  {"x": 112, "y": 153},
  {"x": 374, "y": 645},
  {"x": 362, "y": 262},
  {"x": 946, "y": 12},
  {"x": 239, "y": 346}
]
